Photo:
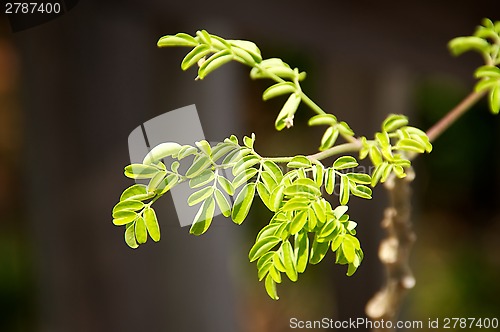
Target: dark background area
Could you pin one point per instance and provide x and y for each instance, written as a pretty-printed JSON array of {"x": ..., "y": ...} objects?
[{"x": 72, "y": 89}]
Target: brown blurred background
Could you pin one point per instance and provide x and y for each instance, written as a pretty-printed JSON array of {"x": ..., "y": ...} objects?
[{"x": 72, "y": 89}]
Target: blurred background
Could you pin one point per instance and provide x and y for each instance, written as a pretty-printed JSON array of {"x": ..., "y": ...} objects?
[{"x": 72, "y": 89}]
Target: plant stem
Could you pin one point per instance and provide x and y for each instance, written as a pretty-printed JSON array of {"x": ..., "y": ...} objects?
[
  {"x": 453, "y": 115},
  {"x": 308, "y": 101},
  {"x": 346, "y": 147}
]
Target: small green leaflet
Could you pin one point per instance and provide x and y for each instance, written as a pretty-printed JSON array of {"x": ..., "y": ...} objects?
[
  {"x": 243, "y": 202},
  {"x": 345, "y": 162},
  {"x": 152, "y": 224},
  {"x": 263, "y": 246},
  {"x": 204, "y": 217},
  {"x": 222, "y": 203}
]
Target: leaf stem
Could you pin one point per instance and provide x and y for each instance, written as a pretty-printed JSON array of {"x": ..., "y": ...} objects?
[
  {"x": 312, "y": 105},
  {"x": 343, "y": 148}
]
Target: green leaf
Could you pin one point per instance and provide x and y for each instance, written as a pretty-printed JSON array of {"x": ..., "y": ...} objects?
[
  {"x": 152, "y": 224},
  {"x": 175, "y": 166},
  {"x": 200, "y": 164},
  {"x": 243, "y": 202},
  {"x": 226, "y": 185},
  {"x": 359, "y": 178},
  {"x": 494, "y": 99},
  {"x": 244, "y": 177},
  {"x": 204, "y": 147},
  {"x": 140, "y": 171},
  {"x": 204, "y": 37},
  {"x": 271, "y": 288},
  {"x": 268, "y": 230},
  {"x": 243, "y": 56},
  {"x": 275, "y": 274},
  {"x": 130, "y": 205},
  {"x": 375, "y": 155},
  {"x": 200, "y": 195},
  {"x": 215, "y": 61},
  {"x": 303, "y": 187},
  {"x": 299, "y": 162},
  {"x": 383, "y": 139},
  {"x": 249, "y": 47},
  {"x": 487, "y": 71},
  {"x": 205, "y": 177},
  {"x": 289, "y": 261},
  {"x": 329, "y": 180},
  {"x": 194, "y": 56},
  {"x": 268, "y": 180},
  {"x": 124, "y": 217},
  {"x": 204, "y": 217},
  {"x": 344, "y": 190},
  {"x": 296, "y": 203},
  {"x": 328, "y": 228},
  {"x": 322, "y": 119},
  {"x": 249, "y": 141},
  {"x": 265, "y": 259},
  {"x": 318, "y": 251},
  {"x": 185, "y": 151},
  {"x": 278, "y": 89},
  {"x": 340, "y": 211},
  {"x": 263, "y": 246},
  {"x": 274, "y": 170},
  {"x": 351, "y": 269},
  {"x": 156, "y": 181},
  {"x": 298, "y": 221},
  {"x": 329, "y": 138},
  {"x": 222, "y": 203},
  {"x": 345, "y": 129},
  {"x": 276, "y": 197},
  {"x": 301, "y": 245},
  {"x": 264, "y": 270},
  {"x": 130, "y": 236},
  {"x": 345, "y": 162},
  {"x": 394, "y": 122},
  {"x": 285, "y": 116},
  {"x": 141, "y": 233},
  {"x": 318, "y": 174},
  {"x": 161, "y": 151},
  {"x": 278, "y": 260},
  {"x": 221, "y": 150},
  {"x": 349, "y": 246},
  {"x": 485, "y": 84},
  {"x": 136, "y": 192},
  {"x": 460, "y": 45},
  {"x": 362, "y": 191},
  {"x": 245, "y": 163},
  {"x": 235, "y": 156},
  {"x": 406, "y": 144},
  {"x": 169, "y": 182},
  {"x": 337, "y": 241},
  {"x": 180, "y": 39},
  {"x": 263, "y": 194},
  {"x": 319, "y": 211}
]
